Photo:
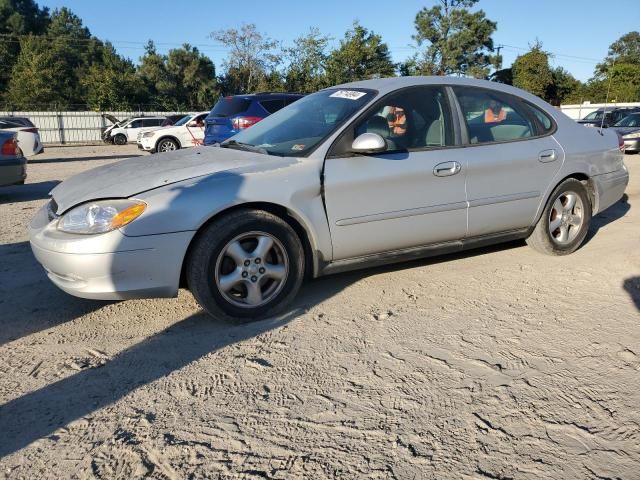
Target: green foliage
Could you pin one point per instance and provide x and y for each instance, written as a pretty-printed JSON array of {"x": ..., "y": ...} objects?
[
  {"x": 112, "y": 83},
  {"x": 361, "y": 55},
  {"x": 563, "y": 88},
  {"x": 17, "y": 18},
  {"x": 183, "y": 79},
  {"x": 307, "y": 60},
  {"x": 37, "y": 76},
  {"x": 531, "y": 71},
  {"x": 457, "y": 40},
  {"x": 251, "y": 60}
]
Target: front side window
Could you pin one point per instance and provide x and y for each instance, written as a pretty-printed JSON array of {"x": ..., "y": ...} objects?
[
  {"x": 412, "y": 118},
  {"x": 493, "y": 117},
  {"x": 296, "y": 130},
  {"x": 135, "y": 124}
]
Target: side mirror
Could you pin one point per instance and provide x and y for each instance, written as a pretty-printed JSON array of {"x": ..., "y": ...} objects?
[
  {"x": 369, "y": 143},
  {"x": 192, "y": 124}
]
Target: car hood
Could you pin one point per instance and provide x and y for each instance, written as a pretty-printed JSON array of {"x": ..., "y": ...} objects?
[
  {"x": 626, "y": 130},
  {"x": 134, "y": 175}
]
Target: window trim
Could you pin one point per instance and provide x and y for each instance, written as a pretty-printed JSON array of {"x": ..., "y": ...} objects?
[
  {"x": 455, "y": 126},
  {"x": 519, "y": 101}
]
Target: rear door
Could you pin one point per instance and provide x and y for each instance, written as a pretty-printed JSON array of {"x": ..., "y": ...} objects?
[
  {"x": 411, "y": 195},
  {"x": 512, "y": 158}
]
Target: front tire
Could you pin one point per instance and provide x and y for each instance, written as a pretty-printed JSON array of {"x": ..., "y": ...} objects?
[
  {"x": 565, "y": 221},
  {"x": 120, "y": 139},
  {"x": 167, "y": 145},
  {"x": 246, "y": 266}
]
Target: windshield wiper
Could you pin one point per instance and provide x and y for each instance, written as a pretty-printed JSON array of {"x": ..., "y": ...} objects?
[{"x": 243, "y": 146}]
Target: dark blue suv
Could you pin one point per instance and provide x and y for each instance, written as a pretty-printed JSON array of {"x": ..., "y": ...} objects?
[{"x": 235, "y": 113}]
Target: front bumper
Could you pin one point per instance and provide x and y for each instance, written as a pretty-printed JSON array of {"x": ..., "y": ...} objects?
[
  {"x": 110, "y": 266},
  {"x": 610, "y": 188},
  {"x": 632, "y": 145},
  {"x": 147, "y": 144}
]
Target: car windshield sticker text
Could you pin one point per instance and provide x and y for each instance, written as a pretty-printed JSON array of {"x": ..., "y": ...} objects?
[{"x": 348, "y": 94}]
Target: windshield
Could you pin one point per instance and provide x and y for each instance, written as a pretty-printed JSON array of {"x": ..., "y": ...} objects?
[
  {"x": 183, "y": 120},
  {"x": 297, "y": 129},
  {"x": 629, "y": 121},
  {"x": 594, "y": 115}
]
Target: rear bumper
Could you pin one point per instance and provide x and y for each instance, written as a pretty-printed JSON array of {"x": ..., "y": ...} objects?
[
  {"x": 610, "y": 188},
  {"x": 13, "y": 172},
  {"x": 632, "y": 145},
  {"x": 110, "y": 266}
]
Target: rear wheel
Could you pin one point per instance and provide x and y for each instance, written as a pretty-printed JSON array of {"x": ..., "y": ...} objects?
[
  {"x": 120, "y": 139},
  {"x": 167, "y": 145},
  {"x": 565, "y": 220},
  {"x": 246, "y": 266}
]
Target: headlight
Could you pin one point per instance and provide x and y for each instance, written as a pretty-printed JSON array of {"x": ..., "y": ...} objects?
[
  {"x": 101, "y": 216},
  {"x": 148, "y": 134},
  {"x": 631, "y": 135}
]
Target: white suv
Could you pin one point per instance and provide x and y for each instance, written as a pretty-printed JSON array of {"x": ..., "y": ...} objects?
[
  {"x": 187, "y": 132},
  {"x": 128, "y": 131}
]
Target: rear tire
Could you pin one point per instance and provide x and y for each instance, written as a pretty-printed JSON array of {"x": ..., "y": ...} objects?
[
  {"x": 246, "y": 266},
  {"x": 120, "y": 139},
  {"x": 565, "y": 220}
]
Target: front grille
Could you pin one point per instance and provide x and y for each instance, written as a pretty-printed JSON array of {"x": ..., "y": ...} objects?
[{"x": 52, "y": 208}]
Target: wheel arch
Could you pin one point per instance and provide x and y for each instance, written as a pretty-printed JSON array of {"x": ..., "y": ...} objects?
[
  {"x": 282, "y": 212},
  {"x": 586, "y": 180},
  {"x": 171, "y": 137}
]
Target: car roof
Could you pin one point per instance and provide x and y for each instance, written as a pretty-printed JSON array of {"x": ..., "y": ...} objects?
[
  {"x": 387, "y": 85},
  {"x": 266, "y": 95}
]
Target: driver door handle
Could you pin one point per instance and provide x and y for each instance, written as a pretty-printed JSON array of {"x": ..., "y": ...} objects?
[{"x": 446, "y": 169}]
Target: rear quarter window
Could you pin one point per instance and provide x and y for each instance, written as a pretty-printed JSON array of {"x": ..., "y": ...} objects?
[
  {"x": 272, "y": 106},
  {"x": 543, "y": 118}
]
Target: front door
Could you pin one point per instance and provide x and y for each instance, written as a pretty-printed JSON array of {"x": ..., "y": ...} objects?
[{"x": 411, "y": 195}]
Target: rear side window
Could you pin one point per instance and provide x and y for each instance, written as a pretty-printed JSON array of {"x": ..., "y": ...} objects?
[
  {"x": 543, "y": 119},
  {"x": 229, "y": 106},
  {"x": 493, "y": 117},
  {"x": 272, "y": 106}
]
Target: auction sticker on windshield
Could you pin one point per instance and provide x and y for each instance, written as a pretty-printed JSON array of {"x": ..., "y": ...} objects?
[{"x": 348, "y": 94}]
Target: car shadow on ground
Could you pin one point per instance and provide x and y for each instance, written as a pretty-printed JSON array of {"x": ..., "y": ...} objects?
[
  {"x": 632, "y": 286},
  {"x": 26, "y": 192},
  {"x": 38, "y": 414},
  {"x": 610, "y": 215},
  {"x": 26, "y": 296},
  {"x": 83, "y": 159}
]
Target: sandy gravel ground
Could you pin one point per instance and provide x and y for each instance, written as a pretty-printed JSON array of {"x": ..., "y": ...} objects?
[{"x": 500, "y": 363}]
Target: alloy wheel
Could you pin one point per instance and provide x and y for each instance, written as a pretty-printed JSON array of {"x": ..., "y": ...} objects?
[
  {"x": 251, "y": 269},
  {"x": 566, "y": 218}
]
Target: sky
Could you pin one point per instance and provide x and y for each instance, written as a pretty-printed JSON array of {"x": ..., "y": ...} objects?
[{"x": 577, "y": 32}]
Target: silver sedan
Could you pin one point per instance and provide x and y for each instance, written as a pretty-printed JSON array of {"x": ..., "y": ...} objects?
[{"x": 355, "y": 175}]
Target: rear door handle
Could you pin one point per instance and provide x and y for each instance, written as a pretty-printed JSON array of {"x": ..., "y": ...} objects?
[
  {"x": 446, "y": 169},
  {"x": 547, "y": 156}
]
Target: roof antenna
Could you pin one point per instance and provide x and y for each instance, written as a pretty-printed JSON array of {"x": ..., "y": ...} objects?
[{"x": 606, "y": 100}]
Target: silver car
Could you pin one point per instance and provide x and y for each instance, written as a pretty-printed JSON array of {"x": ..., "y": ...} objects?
[
  {"x": 355, "y": 175},
  {"x": 13, "y": 164}
]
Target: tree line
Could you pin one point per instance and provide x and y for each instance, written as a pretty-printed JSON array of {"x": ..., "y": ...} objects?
[{"x": 51, "y": 60}]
